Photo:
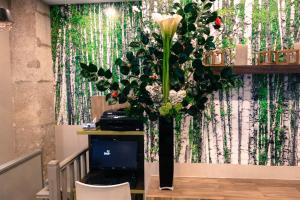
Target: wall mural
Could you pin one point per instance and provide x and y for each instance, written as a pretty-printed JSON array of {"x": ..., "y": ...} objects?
[
  {"x": 257, "y": 123},
  {"x": 89, "y": 33}
]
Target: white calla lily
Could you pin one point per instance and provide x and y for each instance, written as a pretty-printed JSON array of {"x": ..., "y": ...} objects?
[
  {"x": 168, "y": 23},
  {"x": 168, "y": 26}
]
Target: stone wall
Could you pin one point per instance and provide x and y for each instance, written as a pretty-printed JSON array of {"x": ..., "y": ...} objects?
[
  {"x": 32, "y": 78},
  {"x": 6, "y": 136}
]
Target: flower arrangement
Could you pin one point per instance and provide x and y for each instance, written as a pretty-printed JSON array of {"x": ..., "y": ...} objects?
[{"x": 163, "y": 73}]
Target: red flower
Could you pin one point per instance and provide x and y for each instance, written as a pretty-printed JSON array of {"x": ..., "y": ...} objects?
[
  {"x": 218, "y": 23},
  {"x": 114, "y": 94}
]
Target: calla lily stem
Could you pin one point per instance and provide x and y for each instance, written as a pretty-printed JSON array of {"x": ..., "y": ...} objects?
[{"x": 166, "y": 68}]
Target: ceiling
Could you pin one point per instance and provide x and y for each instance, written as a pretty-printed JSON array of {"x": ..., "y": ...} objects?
[{"x": 57, "y": 2}]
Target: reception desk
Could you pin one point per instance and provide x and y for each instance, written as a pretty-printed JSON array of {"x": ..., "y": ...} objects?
[{"x": 195, "y": 188}]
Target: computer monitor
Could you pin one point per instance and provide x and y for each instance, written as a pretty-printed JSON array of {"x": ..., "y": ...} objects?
[{"x": 113, "y": 154}]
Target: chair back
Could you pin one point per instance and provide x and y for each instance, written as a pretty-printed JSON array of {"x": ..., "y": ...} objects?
[{"x": 95, "y": 192}]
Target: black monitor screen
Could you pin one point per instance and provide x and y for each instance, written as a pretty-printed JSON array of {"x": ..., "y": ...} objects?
[{"x": 113, "y": 154}]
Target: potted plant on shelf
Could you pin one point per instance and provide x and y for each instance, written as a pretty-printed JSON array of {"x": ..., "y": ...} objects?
[{"x": 163, "y": 74}]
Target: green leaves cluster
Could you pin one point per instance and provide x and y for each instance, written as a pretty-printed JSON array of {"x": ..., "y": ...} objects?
[{"x": 187, "y": 72}]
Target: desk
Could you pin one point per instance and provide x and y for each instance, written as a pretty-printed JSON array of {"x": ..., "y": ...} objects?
[
  {"x": 107, "y": 135},
  {"x": 188, "y": 188},
  {"x": 107, "y": 132}
]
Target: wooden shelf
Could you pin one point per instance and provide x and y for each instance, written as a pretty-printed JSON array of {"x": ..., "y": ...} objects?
[
  {"x": 106, "y": 132},
  {"x": 262, "y": 69},
  {"x": 220, "y": 188}
]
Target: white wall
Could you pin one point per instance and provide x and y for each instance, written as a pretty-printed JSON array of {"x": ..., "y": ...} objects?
[
  {"x": 68, "y": 142},
  {"x": 6, "y": 136}
]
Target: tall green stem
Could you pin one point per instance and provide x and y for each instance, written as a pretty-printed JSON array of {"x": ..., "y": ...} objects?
[{"x": 166, "y": 68}]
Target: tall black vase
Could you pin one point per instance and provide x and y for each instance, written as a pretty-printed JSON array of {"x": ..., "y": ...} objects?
[{"x": 166, "y": 153}]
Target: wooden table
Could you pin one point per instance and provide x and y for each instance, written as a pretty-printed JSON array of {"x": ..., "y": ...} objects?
[{"x": 227, "y": 189}]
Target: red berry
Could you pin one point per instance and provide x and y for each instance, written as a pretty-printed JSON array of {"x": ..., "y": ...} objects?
[
  {"x": 114, "y": 94},
  {"x": 218, "y": 21},
  {"x": 154, "y": 77}
]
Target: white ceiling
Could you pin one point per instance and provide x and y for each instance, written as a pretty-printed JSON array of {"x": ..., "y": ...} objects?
[{"x": 57, "y": 2}]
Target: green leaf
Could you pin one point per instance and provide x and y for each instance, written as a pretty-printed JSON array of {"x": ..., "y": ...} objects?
[
  {"x": 108, "y": 96},
  {"x": 129, "y": 56},
  {"x": 158, "y": 54},
  {"x": 191, "y": 27},
  {"x": 177, "y": 48},
  {"x": 144, "y": 38},
  {"x": 188, "y": 49},
  {"x": 192, "y": 110},
  {"x": 92, "y": 68},
  {"x": 207, "y": 6},
  {"x": 198, "y": 54},
  {"x": 108, "y": 74},
  {"x": 84, "y": 66},
  {"x": 140, "y": 53},
  {"x": 147, "y": 71},
  {"x": 135, "y": 70},
  {"x": 134, "y": 84},
  {"x": 210, "y": 39},
  {"x": 206, "y": 31},
  {"x": 197, "y": 63},
  {"x": 85, "y": 74},
  {"x": 125, "y": 82},
  {"x": 134, "y": 44},
  {"x": 124, "y": 69},
  {"x": 176, "y": 5},
  {"x": 183, "y": 27},
  {"x": 190, "y": 7},
  {"x": 179, "y": 73},
  {"x": 126, "y": 90},
  {"x": 158, "y": 38},
  {"x": 180, "y": 12},
  {"x": 192, "y": 19},
  {"x": 199, "y": 74},
  {"x": 227, "y": 73},
  {"x": 182, "y": 58},
  {"x": 122, "y": 98},
  {"x": 210, "y": 46},
  {"x": 102, "y": 85},
  {"x": 173, "y": 59},
  {"x": 114, "y": 86},
  {"x": 119, "y": 61},
  {"x": 212, "y": 17},
  {"x": 93, "y": 78},
  {"x": 101, "y": 72},
  {"x": 201, "y": 40}
]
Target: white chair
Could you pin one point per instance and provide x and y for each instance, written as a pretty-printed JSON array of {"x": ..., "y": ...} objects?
[{"x": 95, "y": 192}]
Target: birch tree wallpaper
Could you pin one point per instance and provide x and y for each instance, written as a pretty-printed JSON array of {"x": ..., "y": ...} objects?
[
  {"x": 257, "y": 123},
  {"x": 86, "y": 33}
]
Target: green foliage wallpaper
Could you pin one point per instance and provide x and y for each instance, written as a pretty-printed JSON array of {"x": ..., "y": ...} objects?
[
  {"x": 86, "y": 33},
  {"x": 257, "y": 123}
]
